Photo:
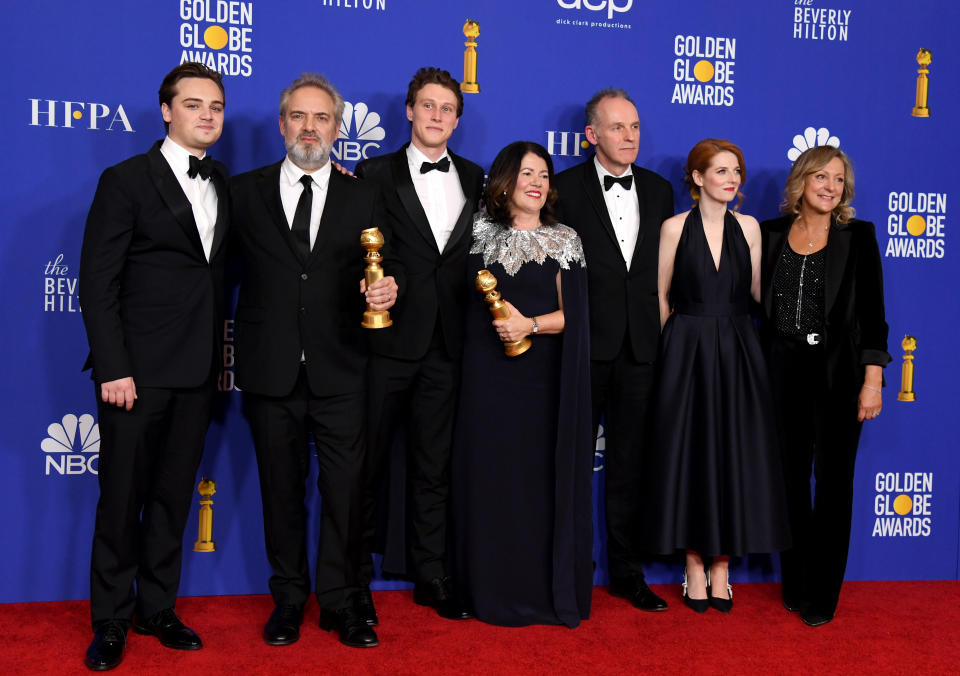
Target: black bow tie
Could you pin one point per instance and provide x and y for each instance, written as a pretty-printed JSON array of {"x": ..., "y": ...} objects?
[
  {"x": 626, "y": 182},
  {"x": 203, "y": 167},
  {"x": 443, "y": 165}
]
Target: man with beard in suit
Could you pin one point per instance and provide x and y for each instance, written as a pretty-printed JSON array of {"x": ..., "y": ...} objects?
[
  {"x": 429, "y": 195},
  {"x": 301, "y": 356},
  {"x": 151, "y": 287},
  {"x": 617, "y": 208}
]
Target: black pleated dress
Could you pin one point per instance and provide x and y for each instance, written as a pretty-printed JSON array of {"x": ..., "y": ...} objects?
[{"x": 713, "y": 480}]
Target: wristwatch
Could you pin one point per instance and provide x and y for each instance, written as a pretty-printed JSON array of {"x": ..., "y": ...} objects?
[{"x": 536, "y": 327}]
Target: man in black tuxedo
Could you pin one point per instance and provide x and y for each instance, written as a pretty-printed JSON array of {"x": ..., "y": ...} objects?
[
  {"x": 151, "y": 287},
  {"x": 429, "y": 195},
  {"x": 617, "y": 209},
  {"x": 301, "y": 356}
]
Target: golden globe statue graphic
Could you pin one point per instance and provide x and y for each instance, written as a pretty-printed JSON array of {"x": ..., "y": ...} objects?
[
  {"x": 206, "y": 488},
  {"x": 371, "y": 240},
  {"x": 487, "y": 285},
  {"x": 920, "y": 109},
  {"x": 909, "y": 344},
  {"x": 471, "y": 30}
]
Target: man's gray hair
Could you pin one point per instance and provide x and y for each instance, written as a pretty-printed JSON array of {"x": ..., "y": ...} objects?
[
  {"x": 313, "y": 80},
  {"x": 608, "y": 93}
]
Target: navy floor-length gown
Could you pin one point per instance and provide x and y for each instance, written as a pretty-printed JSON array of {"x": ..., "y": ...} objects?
[
  {"x": 713, "y": 480},
  {"x": 522, "y": 459}
]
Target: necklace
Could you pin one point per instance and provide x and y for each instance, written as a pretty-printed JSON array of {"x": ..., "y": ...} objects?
[
  {"x": 803, "y": 268},
  {"x": 810, "y": 240}
]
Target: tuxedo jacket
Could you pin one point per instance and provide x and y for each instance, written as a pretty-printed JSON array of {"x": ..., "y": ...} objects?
[
  {"x": 287, "y": 306},
  {"x": 623, "y": 303},
  {"x": 855, "y": 329},
  {"x": 433, "y": 282},
  {"x": 152, "y": 303}
]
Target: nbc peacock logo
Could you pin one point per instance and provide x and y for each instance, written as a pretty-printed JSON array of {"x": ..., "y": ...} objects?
[
  {"x": 811, "y": 138},
  {"x": 72, "y": 446},
  {"x": 359, "y": 132}
]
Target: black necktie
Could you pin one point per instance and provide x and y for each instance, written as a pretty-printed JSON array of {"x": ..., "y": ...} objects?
[
  {"x": 203, "y": 167},
  {"x": 443, "y": 165},
  {"x": 625, "y": 181},
  {"x": 301, "y": 218}
]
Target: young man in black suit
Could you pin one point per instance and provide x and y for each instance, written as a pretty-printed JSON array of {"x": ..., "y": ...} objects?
[
  {"x": 429, "y": 195},
  {"x": 617, "y": 209},
  {"x": 151, "y": 287},
  {"x": 301, "y": 356}
]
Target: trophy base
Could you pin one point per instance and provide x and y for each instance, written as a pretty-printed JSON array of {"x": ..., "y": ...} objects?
[
  {"x": 920, "y": 112},
  {"x": 907, "y": 396},
  {"x": 376, "y": 319},
  {"x": 470, "y": 87},
  {"x": 517, "y": 348},
  {"x": 204, "y": 546}
]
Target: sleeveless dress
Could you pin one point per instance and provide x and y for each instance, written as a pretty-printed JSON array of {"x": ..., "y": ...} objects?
[
  {"x": 522, "y": 459},
  {"x": 713, "y": 480}
]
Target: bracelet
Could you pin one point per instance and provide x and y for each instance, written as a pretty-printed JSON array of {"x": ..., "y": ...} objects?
[
  {"x": 875, "y": 389},
  {"x": 536, "y": 326}
]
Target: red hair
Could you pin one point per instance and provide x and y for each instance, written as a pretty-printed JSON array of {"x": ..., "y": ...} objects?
[{"x": 699, "y": 160}]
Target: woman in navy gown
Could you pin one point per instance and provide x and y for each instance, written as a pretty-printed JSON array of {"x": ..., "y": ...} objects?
[
  {"x": 713, "y": 480},
  {"x": 523, "y": 455}
]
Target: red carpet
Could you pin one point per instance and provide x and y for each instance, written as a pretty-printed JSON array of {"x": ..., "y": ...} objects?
[{"x": 882, "y": 627}]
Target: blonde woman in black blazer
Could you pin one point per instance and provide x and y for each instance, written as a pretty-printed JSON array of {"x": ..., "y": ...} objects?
[{"x": 826, "y": 341}]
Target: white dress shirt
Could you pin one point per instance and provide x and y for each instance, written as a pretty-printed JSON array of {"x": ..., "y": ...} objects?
[
  {"x": 291, "y": 188},
  {"x": 624, "y": 209},
  {"x": 202, "y": 195},
  {"x": 439, "y": 192}
]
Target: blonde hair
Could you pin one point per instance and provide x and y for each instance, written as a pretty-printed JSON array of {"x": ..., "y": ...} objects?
[{"x": 810, "y": 162}]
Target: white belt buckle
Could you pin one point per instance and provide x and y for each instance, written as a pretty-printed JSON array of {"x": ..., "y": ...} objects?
[{"x": 813, "y": 339}]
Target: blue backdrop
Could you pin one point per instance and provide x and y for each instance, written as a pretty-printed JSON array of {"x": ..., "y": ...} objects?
[{"x": 774, "y": 76}]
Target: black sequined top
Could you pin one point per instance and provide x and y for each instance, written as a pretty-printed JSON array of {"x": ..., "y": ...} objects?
[{"x": 798, "y": 292}]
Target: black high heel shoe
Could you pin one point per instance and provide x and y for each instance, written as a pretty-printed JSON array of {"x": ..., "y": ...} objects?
[
  {"x": 697, "y": 605},
  {"x": 721, "y": 604}
]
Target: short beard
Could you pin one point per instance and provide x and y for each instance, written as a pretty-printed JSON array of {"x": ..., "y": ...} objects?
[{"x": 306, "y": 158}]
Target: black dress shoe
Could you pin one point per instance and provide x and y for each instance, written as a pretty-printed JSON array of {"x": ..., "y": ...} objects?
[
  {"x": 283, "y": 627},
  {"x": 724, "y": 605},
  {"x": 638, "y": 593},
  {"x": 353, "y": 629},
  {"x": 792, "y": 604},
  {"x": 172, "y": 633},
  {"x": 366, "y": 608},
  {"x": 814, "y": 618},
  {"x": 439, "y": 595},
  {"x": 106, "y": 649}
]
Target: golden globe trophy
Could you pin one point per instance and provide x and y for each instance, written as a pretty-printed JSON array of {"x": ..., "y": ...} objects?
[
  {"x": 371, "y": 240},
  {"x": 909, "y": 344},
  {"x": 471, "y": 30},
  {"x": 206, "y": 488},
  {"x": 487, "y": 284},
  {"x": 924, "y": 57}
]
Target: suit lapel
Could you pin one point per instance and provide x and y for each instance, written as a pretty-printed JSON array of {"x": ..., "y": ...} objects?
[
  {"x": 408, "y": 196},
  {"x": 332, "y": 212},
  {"x": 591, "y": 185},
  {"x": 220, "y": 227},
  {"x": 465, "y": 219},
  {"x": 173, "y": 196},
  {"x": 268, "y": 183},
  {"x": 642, "y": 226},
  {"x": 838, "y": 249},
  {"x": 771, "y": 253}
]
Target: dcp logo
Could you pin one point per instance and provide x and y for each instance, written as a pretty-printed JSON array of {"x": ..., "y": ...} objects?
[
  {"x": 72, "y": 446},
  {"x": 363, "y": 125},
  {"x": 610, "y": 5}
]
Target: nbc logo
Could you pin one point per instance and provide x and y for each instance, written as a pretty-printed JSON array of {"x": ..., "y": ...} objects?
[
  {"x": 811, "y": 138},
  {"x": 72, "y": 446},
  {"x": 359, "y": 132}
]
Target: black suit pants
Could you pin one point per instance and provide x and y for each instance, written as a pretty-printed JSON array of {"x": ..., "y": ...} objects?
[
  {"x": 282, "y": 427},
  {"x": 818, "y": 427},
  {"x": 148, "y": 464},
  {"x": 621, "y": 389},
  {"x": 423, "y": 395}
]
